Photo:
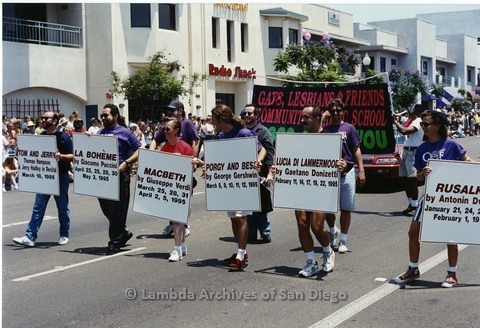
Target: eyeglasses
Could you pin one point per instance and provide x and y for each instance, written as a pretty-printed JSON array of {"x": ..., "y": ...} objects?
[
  {"x": 166, "y": 129},
  {"x": 103, "y": 115},
  {"x": 425, "y": 124},
  {"x": 249, "y": 113}
]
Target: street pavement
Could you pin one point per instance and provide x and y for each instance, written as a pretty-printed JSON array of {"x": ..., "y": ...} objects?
[{"x": 76, "y": 285}]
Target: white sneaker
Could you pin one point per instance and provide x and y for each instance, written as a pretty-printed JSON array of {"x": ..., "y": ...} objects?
[
  {"x": 4, "y": 190},
  {"x": 333, "y": 237},
  {"x": 310, "y": 269},
  {"x": 342, "y": 246},
  {"x": 63, "y": 240},
  {"x": 187, "y": 232},
  {"x": 25, "y": 241},
  {"x": 328, "y": 261},
  {"x": 15, "y": 187},
  {"x": 175, "y": 256}
]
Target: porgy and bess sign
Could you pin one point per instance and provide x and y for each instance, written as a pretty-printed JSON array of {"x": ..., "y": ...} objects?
[{"x": 367, "y": 107}]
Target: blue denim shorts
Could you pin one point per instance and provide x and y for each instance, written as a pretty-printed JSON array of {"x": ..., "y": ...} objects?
[{"x": 347, "y": 191}]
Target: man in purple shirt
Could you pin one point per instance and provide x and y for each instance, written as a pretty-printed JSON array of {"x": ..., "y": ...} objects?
[
  {"x": 351, "y": 153},
  {"x": 116, "y": 211},
  {"x": 188, "y": 133}
]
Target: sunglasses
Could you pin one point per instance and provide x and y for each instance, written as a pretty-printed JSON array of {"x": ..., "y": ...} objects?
[
  {"x": 166, "y": 129},
  {"x": 46, "y": 117},
  {"x": 425, "y": 124},
  {"x": 248, "y": 113},
  {"x": 103, "y": 115},
  {"x": 335, "y": 111}
]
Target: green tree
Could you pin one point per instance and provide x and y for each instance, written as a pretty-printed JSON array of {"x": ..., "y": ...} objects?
[
  {"x": 155, "y": 85},
  {"x": 438, "y": 90},
  {"x": 315, "y": 63},
  {"x": 405, "y": 87}
]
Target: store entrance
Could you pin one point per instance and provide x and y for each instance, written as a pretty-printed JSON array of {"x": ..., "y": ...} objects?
[{"x": 226, "y": 99}]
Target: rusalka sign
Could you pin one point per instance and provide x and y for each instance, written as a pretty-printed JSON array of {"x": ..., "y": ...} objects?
[{"x": 367, "y": 107}]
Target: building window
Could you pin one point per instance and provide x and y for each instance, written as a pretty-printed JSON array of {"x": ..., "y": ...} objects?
[
  {"x": 230, "y": 40},
  {"x": 469, "y": 75},
  {"x": 275, "y": 37},
  {"x": 383, "y": 64},
  {"x": 215, "y": 27},
  {"x": 424, "y": 68},
  {"x": 393, "y": 63},
  {"x": 244, "y": 37},
  {"x": 292, "y": 36},
  {"x": 140, "y": 15},
  {"x": 167, "y": 16}
]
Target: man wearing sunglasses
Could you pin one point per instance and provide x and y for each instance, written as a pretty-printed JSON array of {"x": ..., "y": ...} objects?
[
  {"x": 351, "y": 153},
  {"x": 188, "y": 133},
  {"x": 64, "y": 156},
  {"x": 116, "y": 211},
  {"x": 259, "y": 220},
  {"x": 414, "y": 137}
]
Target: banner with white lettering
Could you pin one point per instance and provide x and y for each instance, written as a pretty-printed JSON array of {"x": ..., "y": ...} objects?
[
  {"x": 307, "y": 176},
  {"x": 451, "y": 211},
  {"x": 231, "y": 181},
  {"x": 96, "y": 166},
  {"x": 164, "y": 185},
  {"x": 38, "y": 167}
]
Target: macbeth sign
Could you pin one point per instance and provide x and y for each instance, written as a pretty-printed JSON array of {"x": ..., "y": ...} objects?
[{"x": 367, "y": 107}]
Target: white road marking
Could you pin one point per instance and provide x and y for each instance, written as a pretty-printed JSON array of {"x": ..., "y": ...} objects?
[
  {"x": 349, "y": 310},
  {"x": 45, "y": 218},
  {"x": 71, "y": 266}
]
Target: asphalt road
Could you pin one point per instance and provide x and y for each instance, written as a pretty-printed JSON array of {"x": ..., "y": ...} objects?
[{"x": 76, "y": 285}]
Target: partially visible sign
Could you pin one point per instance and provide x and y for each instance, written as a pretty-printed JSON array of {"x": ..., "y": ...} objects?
[
  {"x": 164, "y": 185},
  {"x": 451, "y": 211},
  {"x": 307, "y": 176},
  {"x": 95, "y": 165},
  {"x": 38, "y": 167},
  {"x": 231, "y": 181}
]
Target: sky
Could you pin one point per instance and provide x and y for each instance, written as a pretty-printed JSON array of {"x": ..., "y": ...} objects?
[{"x": 363, "y": 13}]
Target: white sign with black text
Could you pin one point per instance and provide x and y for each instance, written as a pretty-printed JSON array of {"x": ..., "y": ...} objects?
[
  {"x": 451, "y": 211},
  {"x": 307, "y": 177},
  {"x": 38, "y": 167},
  {"x": 95, "y": 164},
  {"x": 231, "y": 180},
  {"x": 164, "y": 185}
]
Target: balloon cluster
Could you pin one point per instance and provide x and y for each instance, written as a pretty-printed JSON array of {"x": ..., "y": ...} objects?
[
  {"x": 307, "y": 36},
  {"x": 326, "y": 39}
]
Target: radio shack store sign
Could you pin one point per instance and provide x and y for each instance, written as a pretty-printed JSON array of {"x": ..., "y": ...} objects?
[{"x": 236, "y": 73}]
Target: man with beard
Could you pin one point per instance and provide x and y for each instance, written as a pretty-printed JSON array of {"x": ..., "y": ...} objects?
[
  {"x": 259, "y": 220},
  {"x": 351, "y": 153},
  {"x": 116, "y": 211},
  {"x": 64, "y": 156}
]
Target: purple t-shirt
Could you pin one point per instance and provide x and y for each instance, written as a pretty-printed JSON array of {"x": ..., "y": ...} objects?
[
  {"x": 188, "y": 133},
  {"x": 239, "y": 133},
  {"x": 350, "y": 140},
  {"x": 127, "y": 141},
  {"x": 445, "y": 149}
]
